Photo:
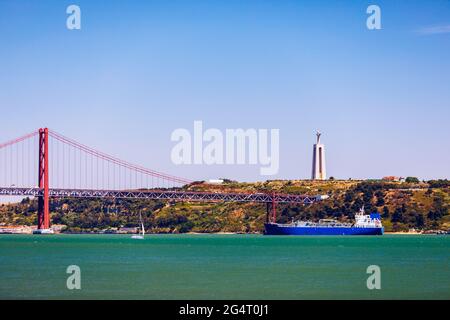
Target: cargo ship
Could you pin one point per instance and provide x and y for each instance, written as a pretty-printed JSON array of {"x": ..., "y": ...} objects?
[{"x": 365, "y": 224}]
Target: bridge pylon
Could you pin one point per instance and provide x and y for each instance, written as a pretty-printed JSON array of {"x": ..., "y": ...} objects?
[{"x": 43, "y": 201}]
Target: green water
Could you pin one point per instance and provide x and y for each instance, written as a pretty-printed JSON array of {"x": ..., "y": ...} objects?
[{"x": 224, "y": 267}]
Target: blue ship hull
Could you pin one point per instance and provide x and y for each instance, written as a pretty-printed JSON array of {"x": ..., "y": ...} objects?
[{"x": 275, "y": 229}]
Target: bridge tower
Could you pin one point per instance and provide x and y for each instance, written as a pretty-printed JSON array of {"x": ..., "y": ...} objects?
[{"x": 43, "y": 201}]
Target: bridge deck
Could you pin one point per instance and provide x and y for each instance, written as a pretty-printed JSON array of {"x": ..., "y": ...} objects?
[{"x": 164, "y": 195}]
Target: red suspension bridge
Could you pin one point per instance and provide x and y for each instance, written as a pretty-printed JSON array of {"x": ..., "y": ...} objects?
[{"x": 76, "y": 170}]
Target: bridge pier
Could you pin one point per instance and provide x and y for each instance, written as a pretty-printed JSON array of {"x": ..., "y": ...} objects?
[
  {"x": 274, "y": 209},
  {"x": 271, "y": 210}
]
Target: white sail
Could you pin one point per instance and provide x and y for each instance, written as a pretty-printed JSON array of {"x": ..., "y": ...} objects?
[
  {"x": 142, "y": 224},
  {"x": 142, "y": 229}
]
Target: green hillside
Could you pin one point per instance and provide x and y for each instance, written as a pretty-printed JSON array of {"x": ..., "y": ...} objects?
[{"x": 419, "y": 205}]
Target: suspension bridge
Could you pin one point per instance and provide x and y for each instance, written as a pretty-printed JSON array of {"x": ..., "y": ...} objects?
[{"x": 67, "y": 168}]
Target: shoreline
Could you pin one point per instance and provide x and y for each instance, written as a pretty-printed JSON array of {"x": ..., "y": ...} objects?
[
  {"x": 21, "y": 229},
  {"x": 398, "y": 233},
  {"x": 404, "y": 233}
]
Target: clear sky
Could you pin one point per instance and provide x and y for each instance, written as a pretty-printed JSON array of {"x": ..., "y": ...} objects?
[{"x": 137, "y": 70}]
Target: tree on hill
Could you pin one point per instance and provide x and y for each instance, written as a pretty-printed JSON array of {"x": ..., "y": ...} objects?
[
  {"x": 349, "y": 195},
  {"x": 412, "y": 180},
  {"x": 420, "y": 220},
  {"x": 386, "y": 212},
  {"x": 397, "y": 216},
  {"x": 380, "y": 198},
  {"x": 441, "y": 183}
]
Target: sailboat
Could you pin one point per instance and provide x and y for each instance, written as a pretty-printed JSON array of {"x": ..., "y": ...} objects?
[{"x": 139, "y": 236}]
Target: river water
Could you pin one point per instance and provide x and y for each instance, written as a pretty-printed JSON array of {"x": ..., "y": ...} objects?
[{"x": 192, "y": 266}]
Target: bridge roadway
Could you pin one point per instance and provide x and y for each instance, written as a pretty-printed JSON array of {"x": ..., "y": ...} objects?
[{"x": 161, "y": 194}]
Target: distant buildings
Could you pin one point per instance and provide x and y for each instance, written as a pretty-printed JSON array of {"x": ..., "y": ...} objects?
[
  {"x": 215, "y": 181},
  {"x": 127, "y": 230},
  {"x": 21, "y": 229},
  {"x": 318, "y": 165},
  {"x": 393, "y": 178},
  {"x": 16, "y": 229}
]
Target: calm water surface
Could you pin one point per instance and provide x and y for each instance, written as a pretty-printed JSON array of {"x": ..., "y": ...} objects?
[{"x": 224, "y": 267}]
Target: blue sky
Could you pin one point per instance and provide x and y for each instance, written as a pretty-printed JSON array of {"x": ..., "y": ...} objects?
[{"x": 137, "y": 70}]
